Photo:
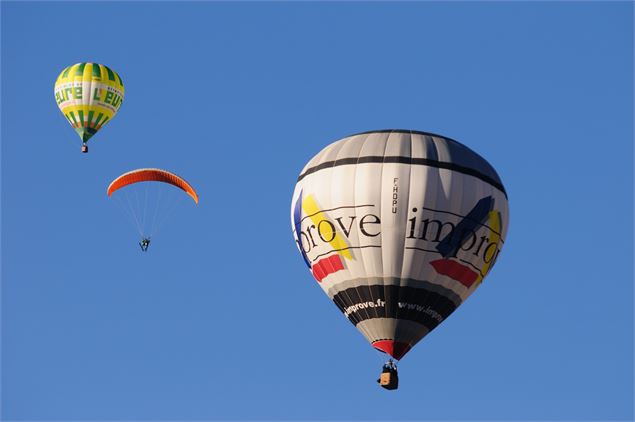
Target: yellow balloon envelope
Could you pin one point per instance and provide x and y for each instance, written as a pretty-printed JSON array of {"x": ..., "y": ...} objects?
[{"x": 89, "y": 95}]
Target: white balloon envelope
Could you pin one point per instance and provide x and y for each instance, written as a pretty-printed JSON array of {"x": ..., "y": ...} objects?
[{"x": 398, "y": 227}]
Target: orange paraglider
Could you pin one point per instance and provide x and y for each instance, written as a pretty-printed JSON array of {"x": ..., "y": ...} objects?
[{"x": 150, "y": 208}]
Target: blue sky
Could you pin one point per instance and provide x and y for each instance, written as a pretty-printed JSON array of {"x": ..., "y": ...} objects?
[{"x": 220, "y": 319}]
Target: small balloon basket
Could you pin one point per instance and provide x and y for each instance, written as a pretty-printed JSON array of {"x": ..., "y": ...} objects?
[{"x": 389, "y": 379}]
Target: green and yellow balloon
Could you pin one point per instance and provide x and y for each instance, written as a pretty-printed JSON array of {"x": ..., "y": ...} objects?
[{"x": 89, "y": 95}]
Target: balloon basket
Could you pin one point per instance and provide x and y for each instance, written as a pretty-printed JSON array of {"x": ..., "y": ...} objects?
[{"x": 389, "y": 379}]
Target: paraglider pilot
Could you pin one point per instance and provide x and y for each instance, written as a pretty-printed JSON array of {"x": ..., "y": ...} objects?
[
  {"x": 145, "y": 242},
  {"x": 389, "y": 378}
]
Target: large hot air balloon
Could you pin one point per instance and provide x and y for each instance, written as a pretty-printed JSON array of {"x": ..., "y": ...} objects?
[
  {"x": 399, "y": 228},
  {"x": 89, "y": 95},
  {"x": 149, "y": 197}
]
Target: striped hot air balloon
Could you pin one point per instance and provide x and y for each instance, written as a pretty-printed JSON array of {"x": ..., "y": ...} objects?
[
  {"x": 89, "y": 95},
  {"x": 398, "y": 228}
]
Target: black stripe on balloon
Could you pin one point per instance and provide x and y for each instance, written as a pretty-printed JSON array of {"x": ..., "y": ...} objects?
[
  {"x": 405, "y": 160},
  {"x": 424, "y": 306},
  {"x": 417, "y": 132}
]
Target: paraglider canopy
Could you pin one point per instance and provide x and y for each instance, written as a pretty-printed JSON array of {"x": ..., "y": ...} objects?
[{"x": 152, "y": 175}]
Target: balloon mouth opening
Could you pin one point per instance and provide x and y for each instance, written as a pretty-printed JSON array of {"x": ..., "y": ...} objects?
[
  {"x": 395, "y": 349},
  {"x": 85, "y": 133}
]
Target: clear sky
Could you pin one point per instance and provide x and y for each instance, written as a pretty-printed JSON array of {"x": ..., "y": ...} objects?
[{"x": 220, "y": 319}]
